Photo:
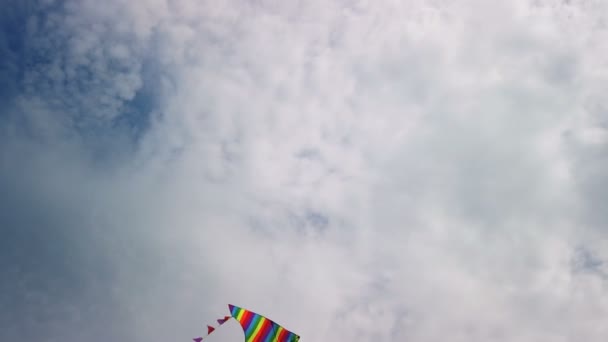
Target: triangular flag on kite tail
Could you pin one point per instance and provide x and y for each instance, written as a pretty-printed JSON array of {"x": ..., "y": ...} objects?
[
  {"x": 211, "y": 329},
  {"x": 258, "y": 328},
  {"x": 223, "y": 320}
]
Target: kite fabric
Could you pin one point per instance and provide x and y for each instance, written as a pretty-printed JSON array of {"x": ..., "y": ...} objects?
[
  {"x": 258, "y": 328},
  {"x": 223, "y": 320}
]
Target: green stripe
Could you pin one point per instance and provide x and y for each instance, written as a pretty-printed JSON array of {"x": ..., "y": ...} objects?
[
  {"x": 254, "y": 323},
  {"x": 275, "y": 332}
]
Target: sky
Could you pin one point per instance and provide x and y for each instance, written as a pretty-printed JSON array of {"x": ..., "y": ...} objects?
[{"x": 414, "y": 170}]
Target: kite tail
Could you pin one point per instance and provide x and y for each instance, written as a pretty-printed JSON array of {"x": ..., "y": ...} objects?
[{"x": 211, "y": 329}]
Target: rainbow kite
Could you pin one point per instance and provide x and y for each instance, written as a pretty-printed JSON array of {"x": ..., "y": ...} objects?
[{"x": 257, "y": 328}]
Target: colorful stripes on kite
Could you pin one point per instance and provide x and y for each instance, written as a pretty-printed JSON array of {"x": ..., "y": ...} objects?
[{"x": 258, "y": 328}]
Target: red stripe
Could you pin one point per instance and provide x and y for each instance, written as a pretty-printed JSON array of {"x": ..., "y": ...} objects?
[
  {"x": 264, "y": 330},
  {"x": 246, "y": 319},
  {"x": 282, "y": 336}
]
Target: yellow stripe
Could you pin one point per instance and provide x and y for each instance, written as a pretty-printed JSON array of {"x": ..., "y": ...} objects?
[
  {"x": 256, "y": 332},
  {"x": 278, "y": 332},
  {"x": 240, "y": 315}
]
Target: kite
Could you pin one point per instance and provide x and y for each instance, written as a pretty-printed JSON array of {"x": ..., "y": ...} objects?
[{"x": 256, "y": 327}]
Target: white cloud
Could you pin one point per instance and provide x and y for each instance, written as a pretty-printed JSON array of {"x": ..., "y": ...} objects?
[{"x": 367, "y": 171}]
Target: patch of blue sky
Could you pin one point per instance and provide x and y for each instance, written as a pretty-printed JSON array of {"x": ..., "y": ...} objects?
[{"x": 105, "y": 102}]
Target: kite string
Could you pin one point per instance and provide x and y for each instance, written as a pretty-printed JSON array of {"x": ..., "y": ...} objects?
[{"x": 211, "y": 329}]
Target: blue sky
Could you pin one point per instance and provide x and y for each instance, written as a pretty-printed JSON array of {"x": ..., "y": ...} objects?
[{"x": 365, "y": 171}]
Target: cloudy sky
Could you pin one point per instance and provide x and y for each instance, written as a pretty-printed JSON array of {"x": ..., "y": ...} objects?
[{"x": 414, "y": 170}]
